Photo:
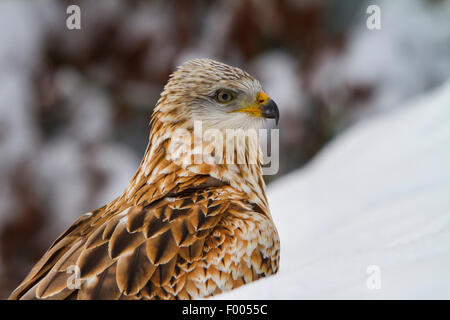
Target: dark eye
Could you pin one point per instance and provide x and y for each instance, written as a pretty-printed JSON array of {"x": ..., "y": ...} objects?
[{"x": 224, "y": 96}]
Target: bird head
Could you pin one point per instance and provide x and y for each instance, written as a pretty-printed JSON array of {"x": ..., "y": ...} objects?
[{"x": 218, "y": 95}]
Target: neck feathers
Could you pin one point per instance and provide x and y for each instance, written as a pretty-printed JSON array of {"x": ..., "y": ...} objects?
[{"x": 177, "y": 159}]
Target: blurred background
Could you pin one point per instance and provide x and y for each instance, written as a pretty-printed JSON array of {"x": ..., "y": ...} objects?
[{"x": 75, "y": 104}]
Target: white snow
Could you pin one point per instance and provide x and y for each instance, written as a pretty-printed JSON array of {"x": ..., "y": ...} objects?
[{"x": 377, "y": 195}]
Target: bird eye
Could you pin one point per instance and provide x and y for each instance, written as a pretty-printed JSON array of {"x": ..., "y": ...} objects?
[{"x": 224, "y": 96}]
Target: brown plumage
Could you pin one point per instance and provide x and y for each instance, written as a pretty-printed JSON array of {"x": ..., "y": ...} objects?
[{"x": 182, "y": 229}]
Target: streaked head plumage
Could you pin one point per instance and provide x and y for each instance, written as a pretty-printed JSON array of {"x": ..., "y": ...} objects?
[{"x": 219, "y": 95}]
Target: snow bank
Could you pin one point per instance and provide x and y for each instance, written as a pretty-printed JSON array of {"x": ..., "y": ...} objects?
[{"x": 378, "y": 195}]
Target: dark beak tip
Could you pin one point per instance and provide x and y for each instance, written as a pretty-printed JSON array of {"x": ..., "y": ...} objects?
[
  {"x": 270, "y": 111},
  {"x": 277, "y": 118}
]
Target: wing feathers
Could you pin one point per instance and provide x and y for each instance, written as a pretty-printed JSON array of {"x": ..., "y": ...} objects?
[
  {"x": 70, "y": 257},
  {"x": 134, "y": 271},
  {"x": 96, "y": 238},
  {"x": 101, "y": 287},
  {"x": 155, "y": 227},
  {"x": 164, "y": 272},
  {"x": 94, "y": 260},
  {"x": 183, "y": 233},
  {"x": 53, "y": 283},
  {"x": 170, "y": 248},
  {"x": 135, "y": 219},
  {"x": 162, "y": 249},
  {"x": 123, "y": 241}
]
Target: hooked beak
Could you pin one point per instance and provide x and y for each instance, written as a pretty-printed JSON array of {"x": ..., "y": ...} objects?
[
  {"x": 264, "y": 107},
  {"x": 270, "y": 110}
]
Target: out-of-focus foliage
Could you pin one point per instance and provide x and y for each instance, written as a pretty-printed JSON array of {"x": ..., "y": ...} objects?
[{"x": 75, "y": 104}]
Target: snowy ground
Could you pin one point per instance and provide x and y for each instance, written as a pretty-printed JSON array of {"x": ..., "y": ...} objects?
[
  {"x": 388, "y": 206},
  {"x": 69, "y": 171}
]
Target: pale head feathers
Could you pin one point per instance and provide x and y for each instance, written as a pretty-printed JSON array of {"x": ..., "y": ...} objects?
[
  {"x": 189, "y": 95},
  {"x": 178, "y": 231}
]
